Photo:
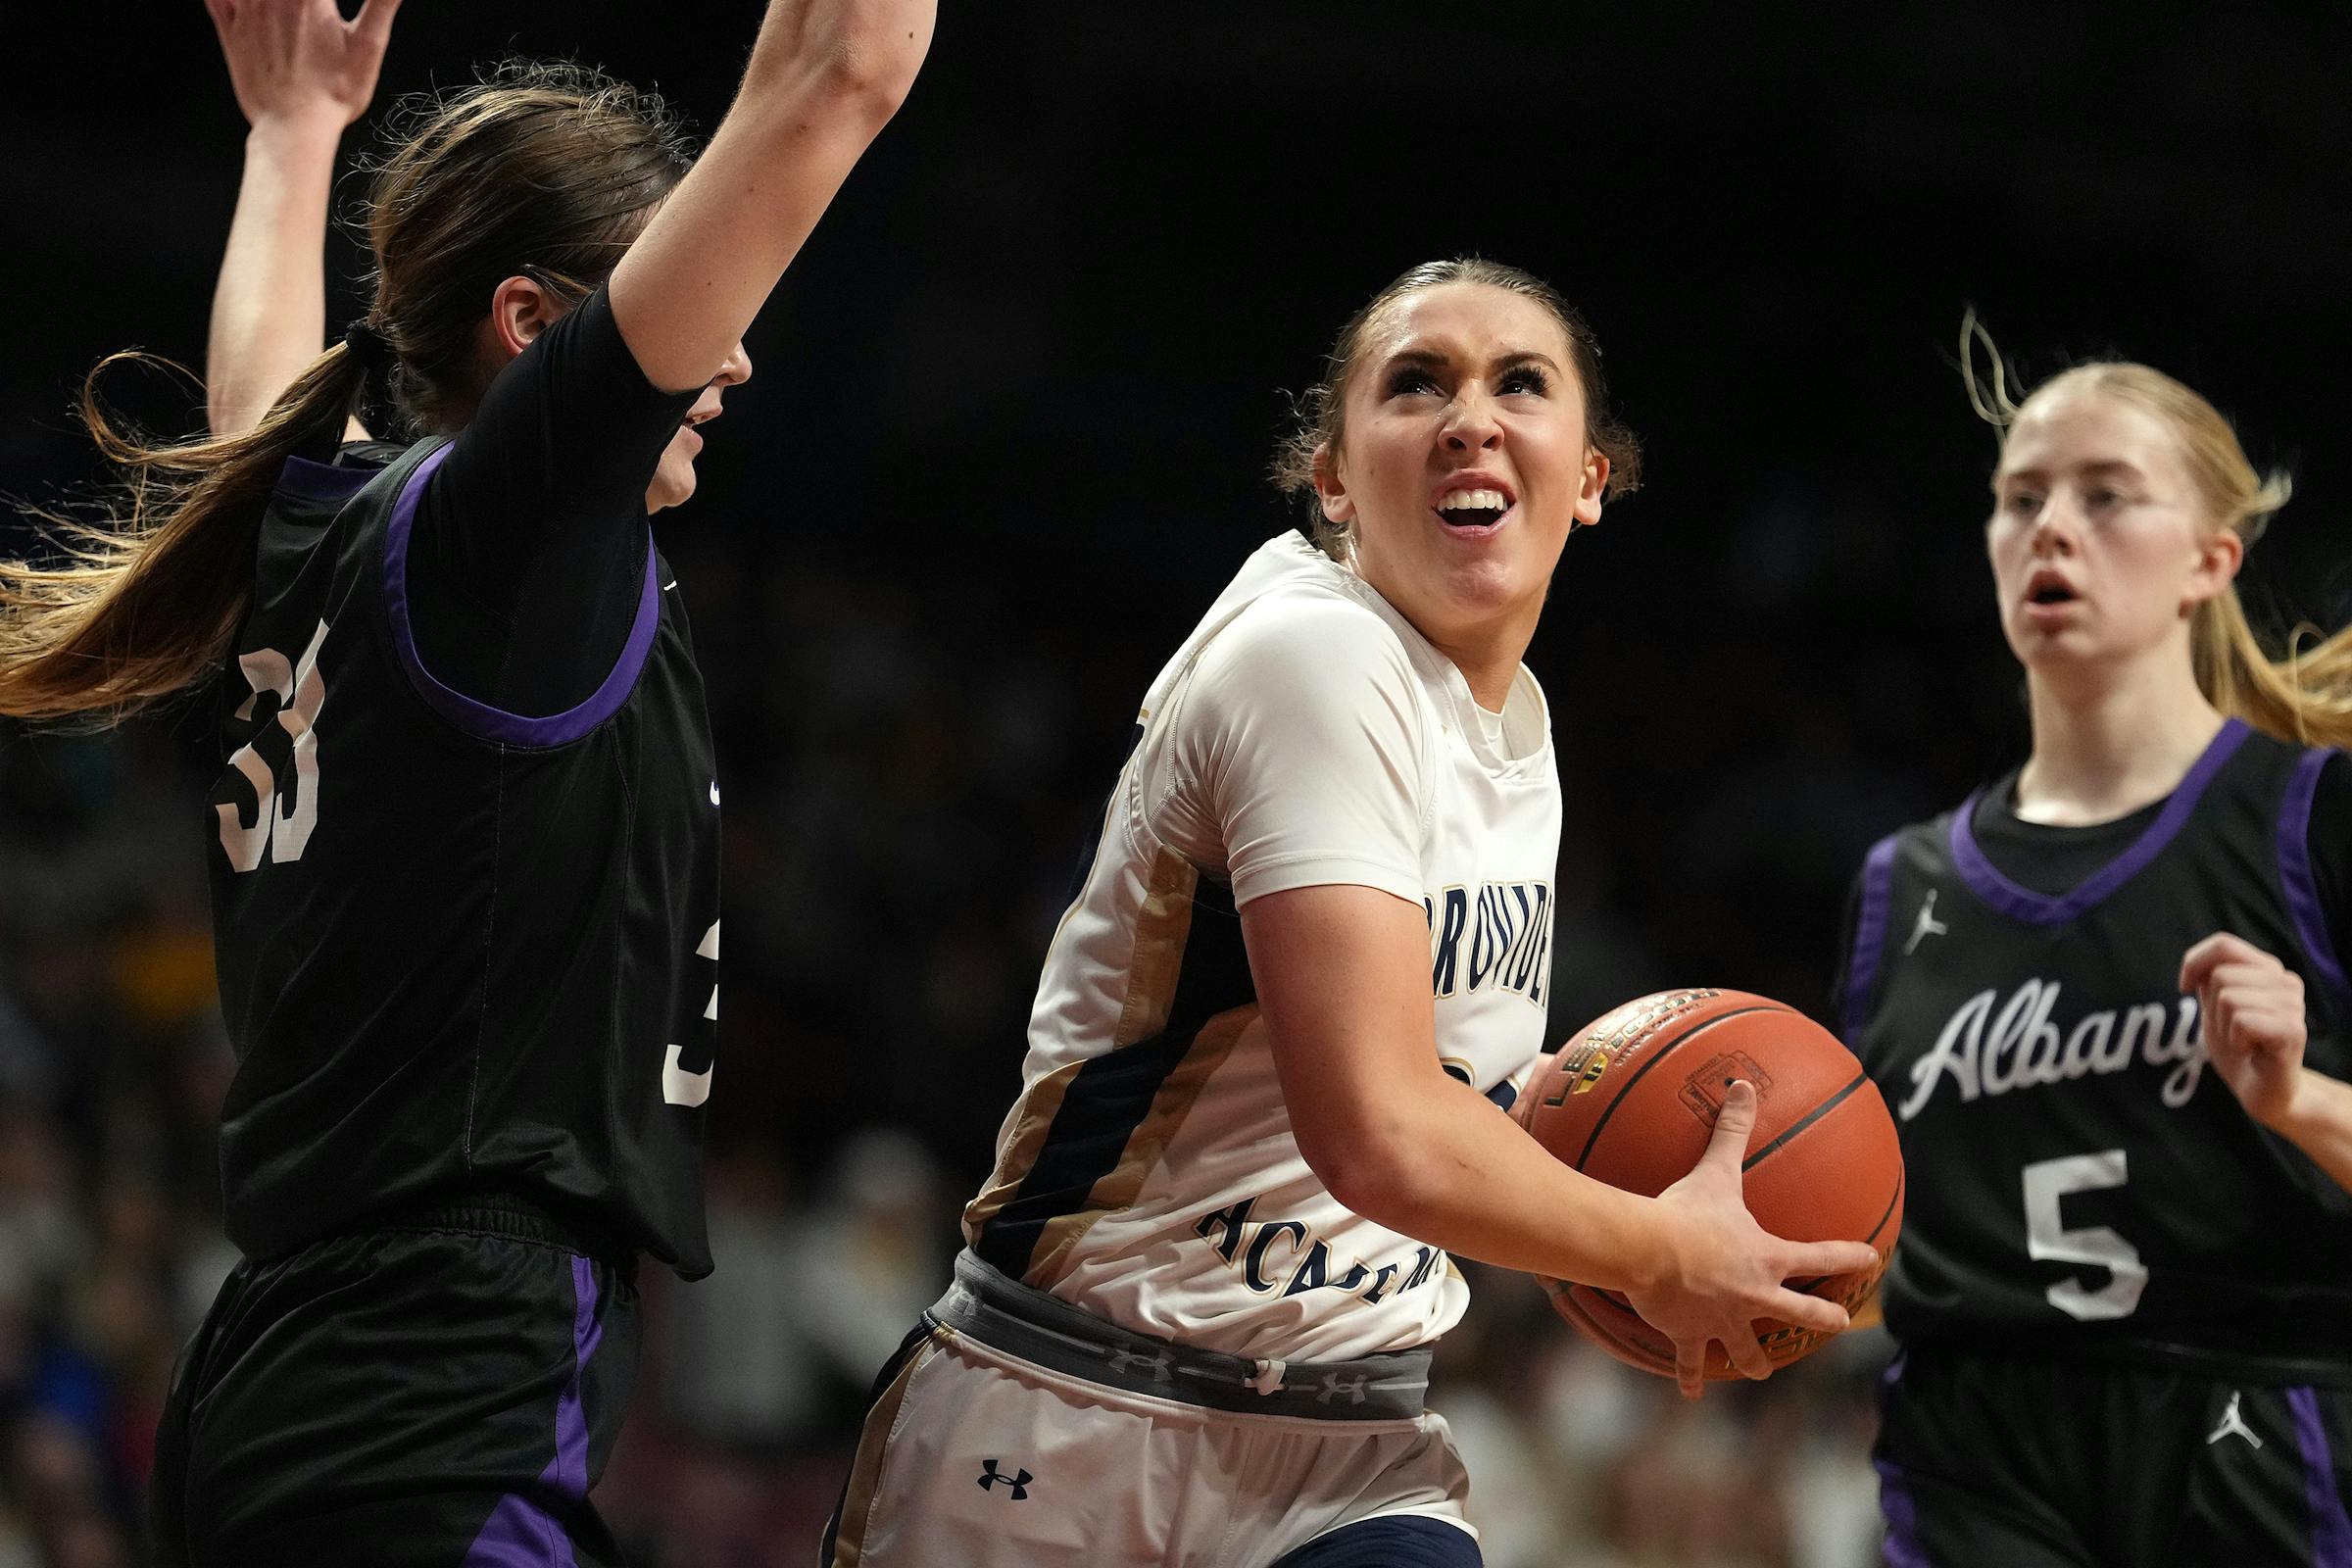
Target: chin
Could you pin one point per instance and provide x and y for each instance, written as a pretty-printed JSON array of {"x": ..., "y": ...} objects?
[{"x": 673, "y": 486}]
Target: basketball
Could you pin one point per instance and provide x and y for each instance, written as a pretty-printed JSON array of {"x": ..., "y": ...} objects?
[{"x": 1632, "y": 1098}]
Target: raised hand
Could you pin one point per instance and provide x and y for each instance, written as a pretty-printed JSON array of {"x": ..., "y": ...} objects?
[
  {"x": 2252, "y": 1009},
  {"x": 299, "y": 60},
  {"x": 1728, "y": 1270}
]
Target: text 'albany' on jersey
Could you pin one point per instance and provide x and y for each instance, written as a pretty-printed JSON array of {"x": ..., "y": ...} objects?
[{"x": 2078, "y": 1174}]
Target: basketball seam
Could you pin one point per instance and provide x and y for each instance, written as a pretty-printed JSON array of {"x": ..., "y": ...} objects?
[
  {"x": 1660, "y": 1054},
  {"x": 1802, "y": 1122}
]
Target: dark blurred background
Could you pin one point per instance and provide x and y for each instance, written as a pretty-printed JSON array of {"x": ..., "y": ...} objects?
[{"x": 1007, "y": 437}]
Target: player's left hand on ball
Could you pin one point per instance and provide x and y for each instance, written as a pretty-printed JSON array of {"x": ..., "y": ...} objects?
[
  {"x": 1729, "y": 1272},
  {"x": 2252, "y": 1010}
]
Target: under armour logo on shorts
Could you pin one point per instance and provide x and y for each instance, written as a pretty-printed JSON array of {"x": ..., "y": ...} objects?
[
  {"x": 1018, "y": 1482},
  {"x": 1156, "y": 1364},
  {"x": 1333, "y": 1388}
]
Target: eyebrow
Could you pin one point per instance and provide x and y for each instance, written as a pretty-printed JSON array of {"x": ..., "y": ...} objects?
[
  {"x": 2106, "y": 465},
  {"x": 1410, "y": 356}
]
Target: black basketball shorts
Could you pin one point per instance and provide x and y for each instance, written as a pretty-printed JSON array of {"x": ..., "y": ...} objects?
[
  {"x": 2028, "y": 1463},
  {"x": 429, "y": 1397}
]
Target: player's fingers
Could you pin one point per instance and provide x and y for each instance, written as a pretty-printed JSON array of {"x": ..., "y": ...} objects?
[
  {"x": 1728, "y": 1145},
  {"x": 1691, "y": 1368},
  {"x": 1809, "y": 1312},
  {"x": 2199, "y": 960},
  {"x": 1811, "y": 1259},
  {"x": 1747, "y": 1354},
  {"x": 374, "y": 25}
]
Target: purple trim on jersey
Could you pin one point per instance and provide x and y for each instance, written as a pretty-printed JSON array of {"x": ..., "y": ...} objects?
[
  {"x": 305, "y": 480},
  {"x": 1870, "y": 935},
  {"x": 1901, "y": 1513},
  {"x": 520, "y": 1532},
  {"x": 2295, "y": 874},
  {"x": 481, "y": 719},
  {"x": 2330, "y": 1529},
  {"x": 2025, "y": 904}
]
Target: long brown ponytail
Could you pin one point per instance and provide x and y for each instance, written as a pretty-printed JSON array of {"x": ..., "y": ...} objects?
[{"x": 544, "y": 169}]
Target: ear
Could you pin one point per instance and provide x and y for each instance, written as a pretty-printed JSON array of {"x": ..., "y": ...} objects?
[
  {"x": 520, "y": 311},
  {"x": 2218, "y": 560},
  {"x": 1594, "y": 488},
  {"x": 1330, "y": 489}
]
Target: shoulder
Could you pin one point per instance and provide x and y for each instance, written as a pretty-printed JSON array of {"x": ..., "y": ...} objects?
[{"x": 1306, "y": 640}]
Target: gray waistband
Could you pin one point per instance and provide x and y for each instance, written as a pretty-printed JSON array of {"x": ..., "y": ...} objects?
[{"x": 1036, "y": 1327}]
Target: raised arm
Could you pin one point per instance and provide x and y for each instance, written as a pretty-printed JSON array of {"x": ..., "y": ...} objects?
[
  {"x": 823, "y": 78},
  {"x": 301, "y": 74}
]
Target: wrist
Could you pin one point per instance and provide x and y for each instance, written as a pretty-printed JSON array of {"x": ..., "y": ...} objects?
[
  {"x": 311, "y": 132},
  {"x": 2297, "y": 1109}
]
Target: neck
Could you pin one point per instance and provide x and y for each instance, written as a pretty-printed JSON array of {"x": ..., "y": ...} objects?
[
  {"x": 1488, "y": 658},
  {"x": 2106, "y": 744}
]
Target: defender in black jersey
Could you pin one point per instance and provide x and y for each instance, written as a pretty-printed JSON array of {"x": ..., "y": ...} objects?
[
  {"x": 465, "y": 839},
  {"x": 2106, "y": 1002}
]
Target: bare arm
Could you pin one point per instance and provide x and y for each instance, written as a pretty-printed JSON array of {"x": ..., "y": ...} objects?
[
  {"x": 2252, "y": 1010},
  {"x": 301, "y": 74},
  {"x": 823, "y": 78},
  {"x": 1342, "y": 976}
]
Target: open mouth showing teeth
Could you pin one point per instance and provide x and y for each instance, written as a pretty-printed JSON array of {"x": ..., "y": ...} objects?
[{"x": 1473, "y": 509}]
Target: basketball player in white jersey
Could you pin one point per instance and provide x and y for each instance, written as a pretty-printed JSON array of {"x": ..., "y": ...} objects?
[{"x": 1194, "y": 1321}]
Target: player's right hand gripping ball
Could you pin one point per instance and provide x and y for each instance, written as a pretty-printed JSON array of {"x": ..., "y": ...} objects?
[{"x": 1631, "y": 1100}]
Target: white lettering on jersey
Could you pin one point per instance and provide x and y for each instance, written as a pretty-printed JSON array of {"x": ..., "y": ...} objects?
[
  {"x": 277, "y": 833},
  {"x": 1984, "y": 1053},
  {"x": 678, "y": 1086}
]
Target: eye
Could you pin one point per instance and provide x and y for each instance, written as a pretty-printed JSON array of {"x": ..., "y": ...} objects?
[
  {"x": 1523, "y": 379},
  {"x": 2102, "y": 498},
  {"x": 1408, "y": 380},
  {"x": 2021, "y": 503}
]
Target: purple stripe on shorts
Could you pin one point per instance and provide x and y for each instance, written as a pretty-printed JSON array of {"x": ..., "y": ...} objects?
[
  {"x": 1902, "y": 1517},
  {"x": 479, "y": 719},
  {"x": 2294, "y": 875},
  {"x": 520, "y": 1532},
  {"x": 1870, "y": 933},
  {"x": 2330, "y": 1530},
  {"x": 2025, "y": 904}
]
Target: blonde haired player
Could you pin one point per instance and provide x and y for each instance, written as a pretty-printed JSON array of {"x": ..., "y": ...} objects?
[
  {"x": 2106, "y": 1001},
  {"x": 1304, "y": 972}
]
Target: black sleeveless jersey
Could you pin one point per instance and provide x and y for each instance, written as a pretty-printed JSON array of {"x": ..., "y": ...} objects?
[
  {"x": 460, "y": 950},
  {"x": 2076, "y": 1177}
]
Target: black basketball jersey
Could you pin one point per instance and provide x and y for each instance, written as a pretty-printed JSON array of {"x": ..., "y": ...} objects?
[
  {"x": 459, "y": 950},
  {"x": 2076, "y": 1172}
]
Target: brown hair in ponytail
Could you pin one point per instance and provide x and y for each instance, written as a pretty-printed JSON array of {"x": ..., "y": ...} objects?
[{"x": 548, "y": 170}]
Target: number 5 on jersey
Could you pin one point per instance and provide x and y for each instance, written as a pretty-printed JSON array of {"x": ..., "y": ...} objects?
[
  {"x": 682, "y": 1084},
  {"x": 2048, "y": 1237}
]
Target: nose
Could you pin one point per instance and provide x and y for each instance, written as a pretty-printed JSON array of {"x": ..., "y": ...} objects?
[
  {"x": 1470, "y": 423},
  {"x": 735, "y": 368},
  {"x": 2054, "y": 527}
]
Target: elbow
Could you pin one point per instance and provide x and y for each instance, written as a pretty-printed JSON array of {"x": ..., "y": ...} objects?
[
  {"x": 864, "y": 77},
  {"x": 1370, "y": 1170}
]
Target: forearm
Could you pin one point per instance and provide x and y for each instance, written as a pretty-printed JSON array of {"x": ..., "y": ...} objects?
[
  {"x": 269, "y": 306},
  {"x": 2317, "y": 1120},
  {"x": 1450, "y": 1169},
  {"x": 824, "y": 79}
]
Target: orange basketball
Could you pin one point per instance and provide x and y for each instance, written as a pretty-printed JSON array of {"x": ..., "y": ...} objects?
[{"x": 1631, "y": 1100}]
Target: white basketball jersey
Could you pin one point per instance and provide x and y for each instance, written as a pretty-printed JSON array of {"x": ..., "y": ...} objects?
[{"x": 1304, "y": 734}]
